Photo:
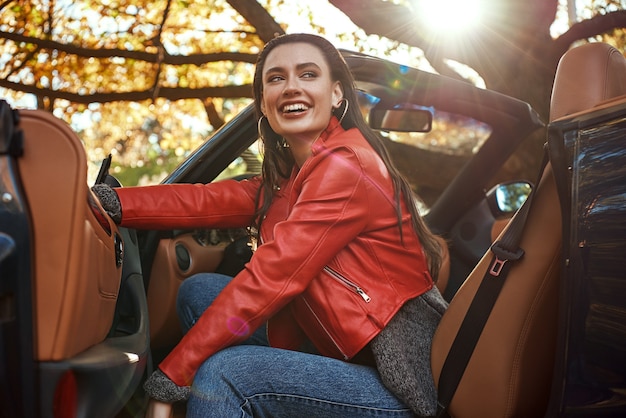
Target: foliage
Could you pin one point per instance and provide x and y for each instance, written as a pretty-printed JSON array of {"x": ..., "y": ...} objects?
[
  {"x": 149, "y": 80},
  {"x": 134, "y": 78}
]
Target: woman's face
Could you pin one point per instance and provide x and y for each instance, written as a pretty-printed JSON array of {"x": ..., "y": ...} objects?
[{"x": 298, "y": 92}]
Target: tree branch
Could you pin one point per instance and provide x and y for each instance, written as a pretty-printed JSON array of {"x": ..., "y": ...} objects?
[
  {"x": 589, "y": 28},
  {"x": 5, "y": 4},
  {"x": 161, "y": 51},
  {"x": 197, "y": 59},
  {"x": 176, "y": 93},
  {"x": 397, "y": 22},
  {"x": 265, "y": 25},
  {"x": 215, "y": 119}
]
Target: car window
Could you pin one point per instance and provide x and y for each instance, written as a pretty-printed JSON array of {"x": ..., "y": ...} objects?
[{"x": 248, "y": 164}]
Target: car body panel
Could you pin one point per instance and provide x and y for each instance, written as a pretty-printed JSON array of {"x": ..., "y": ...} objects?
[{"x": 17, "y": 365}]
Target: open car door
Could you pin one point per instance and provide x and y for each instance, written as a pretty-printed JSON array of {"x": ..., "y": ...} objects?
[{"x": 73, "y": 335}]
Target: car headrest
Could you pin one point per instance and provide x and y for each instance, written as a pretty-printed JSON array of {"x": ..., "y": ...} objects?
[{"x": 586, "y": 76}]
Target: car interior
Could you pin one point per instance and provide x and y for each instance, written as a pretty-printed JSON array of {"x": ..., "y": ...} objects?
[
  {"x": 94, "y": 285},
  {"x": 169, "y": 257}
]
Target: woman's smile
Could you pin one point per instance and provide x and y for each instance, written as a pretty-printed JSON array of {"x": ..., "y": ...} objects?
[{"x": 294, "y": 110}]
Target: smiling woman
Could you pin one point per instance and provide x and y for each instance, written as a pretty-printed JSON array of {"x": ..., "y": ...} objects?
[{"x": 450, "y": 16}]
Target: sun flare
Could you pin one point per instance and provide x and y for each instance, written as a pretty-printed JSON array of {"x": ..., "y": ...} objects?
[{"x": 450, "y": 16}]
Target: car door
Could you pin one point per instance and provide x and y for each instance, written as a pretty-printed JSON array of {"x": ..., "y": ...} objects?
[{"x": 73, "y": 334}]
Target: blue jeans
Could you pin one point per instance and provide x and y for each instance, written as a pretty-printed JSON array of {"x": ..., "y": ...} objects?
[{"x": 255, "y": 380}]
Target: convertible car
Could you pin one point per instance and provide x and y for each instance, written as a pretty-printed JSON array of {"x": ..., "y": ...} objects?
[{"x": 534, "y": 269}]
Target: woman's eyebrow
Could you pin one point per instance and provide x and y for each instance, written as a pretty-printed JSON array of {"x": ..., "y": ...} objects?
[
  {"x": 306, "y": 65},
  {"x": 299, "y": 67}
]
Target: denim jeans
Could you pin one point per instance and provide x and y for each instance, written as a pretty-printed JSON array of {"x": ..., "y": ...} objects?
[{"x": 255, "y": 380}]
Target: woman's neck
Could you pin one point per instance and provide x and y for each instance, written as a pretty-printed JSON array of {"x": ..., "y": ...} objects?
[
  {"x": 300, "y": 146},
  {"x": 300, "y": 150}
]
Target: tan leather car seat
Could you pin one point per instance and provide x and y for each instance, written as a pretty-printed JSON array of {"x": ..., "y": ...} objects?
[
  {"x": 76, "y": 274},
  {"x": 444, "y": 272},
  {"x": 510, "y": 372}
]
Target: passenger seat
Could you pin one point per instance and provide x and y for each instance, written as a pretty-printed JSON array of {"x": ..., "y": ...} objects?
[{"x": 510, "y": 372}]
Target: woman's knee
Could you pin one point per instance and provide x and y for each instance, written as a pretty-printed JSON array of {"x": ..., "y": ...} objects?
[
  {"x": 232, "y": 368},
  {"x": 217, "y": 388},
  {"x": 196, "y": 293}
]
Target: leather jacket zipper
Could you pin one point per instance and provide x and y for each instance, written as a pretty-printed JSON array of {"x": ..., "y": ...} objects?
[
  {"x": 350, "y": 285},
  {"x": 345, "y": 357}
]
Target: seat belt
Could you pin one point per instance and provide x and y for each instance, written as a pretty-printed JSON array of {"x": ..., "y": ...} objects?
[{"x": 505, "y": 251}]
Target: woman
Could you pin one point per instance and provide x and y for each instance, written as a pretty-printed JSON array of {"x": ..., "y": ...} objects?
[{"x": 342, "y": 251}]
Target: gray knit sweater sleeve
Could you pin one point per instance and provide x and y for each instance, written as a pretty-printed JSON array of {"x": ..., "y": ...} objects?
[
  {"x": 402, "y": 352},
  {"x": 109, "y": 200},
  {"x": 158, "y": 386}
]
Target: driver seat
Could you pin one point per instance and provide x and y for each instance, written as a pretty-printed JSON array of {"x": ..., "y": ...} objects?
[{"x": 510, "y": 371}]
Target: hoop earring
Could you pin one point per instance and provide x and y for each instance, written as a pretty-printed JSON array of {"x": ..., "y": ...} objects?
[
  {"x": 345, "y": 108},
  {"x": 258, "y": 126}
]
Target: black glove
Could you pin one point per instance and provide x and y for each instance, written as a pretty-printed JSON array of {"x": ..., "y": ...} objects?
[
  {"x": 158, "y": 386},
  {"x": 109, "y": 200}
]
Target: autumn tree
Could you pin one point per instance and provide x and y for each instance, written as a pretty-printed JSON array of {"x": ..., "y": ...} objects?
[
  {"x": 513, "y": 48},
  {"x": 149, "y": 80},
  {"x": 175, "y": 65}
]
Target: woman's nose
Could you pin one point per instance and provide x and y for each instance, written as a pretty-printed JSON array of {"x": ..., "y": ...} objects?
[{"x": 291, "y": 87}]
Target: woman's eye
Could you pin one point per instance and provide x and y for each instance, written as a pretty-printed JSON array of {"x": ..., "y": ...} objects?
[
  {"x": 274, "y": 79},
  {"x": 309, "y": 74}
]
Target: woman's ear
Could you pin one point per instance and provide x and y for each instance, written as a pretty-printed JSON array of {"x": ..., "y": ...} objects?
[{"x": 337, "y": 95}]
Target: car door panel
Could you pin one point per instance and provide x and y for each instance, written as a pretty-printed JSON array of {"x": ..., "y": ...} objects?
[
  {"x": 78, "y": 273},
  {"x": 175, "y": 260},
  {"x": 76, "y": 277}
]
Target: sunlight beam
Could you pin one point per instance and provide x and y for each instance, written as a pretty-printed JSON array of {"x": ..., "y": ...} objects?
[{"x": 450, "y": 16}]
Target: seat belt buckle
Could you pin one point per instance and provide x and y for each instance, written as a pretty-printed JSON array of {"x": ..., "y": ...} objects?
[
  {"x": 501, "y": 256},
  {"x": 497, "y": 266}
]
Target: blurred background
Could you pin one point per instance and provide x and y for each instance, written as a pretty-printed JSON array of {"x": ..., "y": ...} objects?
[{"x": 148, "y": 81}]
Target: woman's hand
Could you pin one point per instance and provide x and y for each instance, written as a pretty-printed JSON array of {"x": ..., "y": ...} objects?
[
  {"x": 158, "y": 409},
  {"x": 163, "y": 393}
]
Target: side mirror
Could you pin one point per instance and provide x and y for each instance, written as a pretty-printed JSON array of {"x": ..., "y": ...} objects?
[
  {"x": 506, "y": 198},
  {"x": 403, "y": 118}
]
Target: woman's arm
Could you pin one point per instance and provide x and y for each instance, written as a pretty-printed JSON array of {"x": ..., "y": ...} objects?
[{"x": 225, "y": 204}]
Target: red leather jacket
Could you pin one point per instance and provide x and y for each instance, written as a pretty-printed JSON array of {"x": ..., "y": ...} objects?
[{"x": 331, "y": 268}]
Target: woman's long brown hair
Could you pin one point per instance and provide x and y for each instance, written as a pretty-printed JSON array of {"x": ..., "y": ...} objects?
[{"x": 278, "y": 160}]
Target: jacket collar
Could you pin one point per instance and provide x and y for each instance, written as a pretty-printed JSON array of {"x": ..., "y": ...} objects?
[{"x": 333, "y": 128}]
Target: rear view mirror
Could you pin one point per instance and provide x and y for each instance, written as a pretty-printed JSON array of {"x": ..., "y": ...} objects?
[{"x": 401, "y": 119}]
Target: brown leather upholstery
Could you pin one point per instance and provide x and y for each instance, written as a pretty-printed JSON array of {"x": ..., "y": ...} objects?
[
  {"x": 167, "y": 277},
  {"x": 497, "y": 228},
  {"x": 511, "y": 370},
  {"x": 444, "y": 272},
  {"x": 76, "y": 279},
  {"x": 587, "y": 76}
]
